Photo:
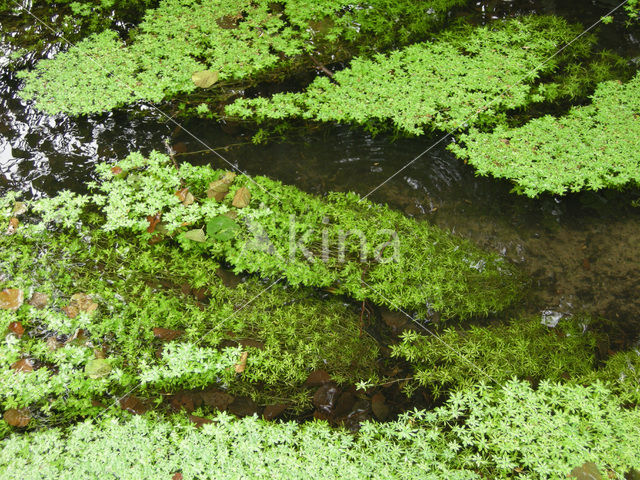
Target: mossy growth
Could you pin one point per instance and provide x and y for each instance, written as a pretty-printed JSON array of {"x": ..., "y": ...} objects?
[
  {"x": 524, "y": 349},
  {"x": 339, "y": 242},
  {"x": 241, "y": 41},
  {"x": 465, "y": 76},
  {"x": 591, "y": 147},
  {"x": 484, "y": 432},
  {"x": 130, "y": 302}
]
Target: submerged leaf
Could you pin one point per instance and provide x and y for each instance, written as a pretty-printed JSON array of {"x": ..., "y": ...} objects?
[
  {"x": 17, "y": 417},
  {"x": 24, "y": 365},
  {"x": 17, "y": 328},
  {"x": 11, "y": 299},
  {"x": 222, "y": 228},
  {"x": 185, "y": 196},
  {"x": 204, "y": 78},
  {"x": 97, "y": 368},
  {"x": 39, "y": 300}
]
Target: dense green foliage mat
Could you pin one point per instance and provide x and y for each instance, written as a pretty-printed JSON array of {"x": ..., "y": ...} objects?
[
  {"x": 236, "y": 41},
  {"x": 465, "y": 76},
  {"x": 339, "y": 242},
  {"x": 484, "y": 432},
  {"x": 592, "y": 147}
]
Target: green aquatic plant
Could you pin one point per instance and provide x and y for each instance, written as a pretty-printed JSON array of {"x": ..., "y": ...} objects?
[
  {"x": 526, "y": 349},
  {"x": 338, "y": 242},
  {"x": 465, "y": 76},
  {"x": 241, "y": 41},
  {"x": 142, "y": 296},
  {"x": 483, "y": 432},
  {"x": 590, "y": 148}
]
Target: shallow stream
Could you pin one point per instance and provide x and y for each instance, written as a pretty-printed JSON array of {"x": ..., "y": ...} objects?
[{"x": 581, "y": 252}]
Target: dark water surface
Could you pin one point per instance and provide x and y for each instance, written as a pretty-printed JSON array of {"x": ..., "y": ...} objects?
[{"x": 582, "y": 252}]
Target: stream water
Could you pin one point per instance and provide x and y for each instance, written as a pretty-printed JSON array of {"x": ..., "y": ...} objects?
[{"x": 581, "y": 252}]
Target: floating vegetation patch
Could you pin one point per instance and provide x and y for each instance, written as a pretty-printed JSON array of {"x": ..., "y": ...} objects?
[
  {"x": 466, "y": 76},
  {"x": 592, "y": 147}
]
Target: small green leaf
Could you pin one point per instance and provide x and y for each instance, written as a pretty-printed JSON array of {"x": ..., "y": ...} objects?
[
  {"x": 197, "y": 235},
  {"x": 205, "y": 78},
  {"x": 222, "y": 228}
]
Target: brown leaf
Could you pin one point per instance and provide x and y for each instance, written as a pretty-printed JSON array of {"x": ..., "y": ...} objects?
[
  {"x": 17, "y": 328},
  {"x": 53, "y": 344},
  {"x": 217, "y": 399},
  {"x": 13, "y": 226},
  {"x": 379, "y": 406},
  {"x": 71, "y": 311},
  {"x": 165, "y": 334},
  {"x": 17, "y": 417},
  {"x": 199, "y": 421},
  {"x": 83, "y": 303},
  {"x": 117, "y": 170},
  {"x": 242, "y": 363},
  {"x": 273, "y": 411},
  {"x": 11, "y": 298},
  {"x": 78, "y": 337},
  {"x": 317, "y": 378},
  {"x": 587, "y": 471},
  {"x": 134, "y": 405},
  {"x": 220, "y": 188},
  {"x": 185, "y": 196},
  {"x": 39, "y": 300},
  {"x": 242, "y": 198},
  {"x": 176, "y": 476},
  {"x": 153, "y": 221},
  {"x": 24, "y": 365}
]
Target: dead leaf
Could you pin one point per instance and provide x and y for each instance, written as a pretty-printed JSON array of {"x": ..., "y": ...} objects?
[
  {"x": 204, "y": 78},
  {"x": 242, "y": 198},
  {"x": 11, "y": 299},
  {"x": 272, "y": 411},
  {"x": 242, "y": 364},
  {"x": 134, "y": 405},
  {"x": 199, "y": 421},
  {"x": 80, "y": 302},
  {"x": 13, "y": 226},
  {"x": 153, "y": 221},
  {"x": 177, "y": 476},
  {"x": 17, "y": 417},
  {"x": 185, "y": 196},
  {"x": 24, "y": 365},
  {"x": 165, "y": 334},
  {"x": 117, "y": 170},
  {"x": 19, "y": 208},
  {"x": 317, "y": 378},
  {"x": 39, "y": 300},
  {"x": 379, "y": 406},
  {"x": 53, "y": 344},
  {"x": 17, "y": 328},
  {"x": 217, "y": 399},
  {"x": 71, "y": 311}
]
